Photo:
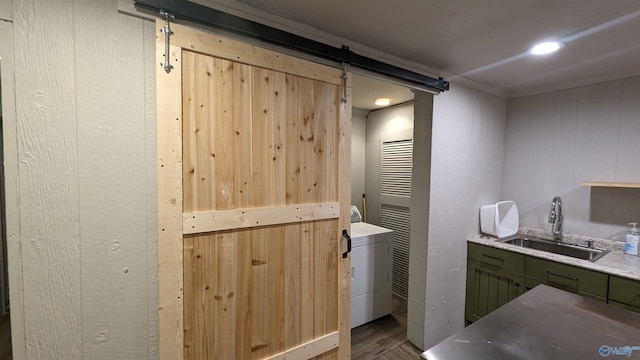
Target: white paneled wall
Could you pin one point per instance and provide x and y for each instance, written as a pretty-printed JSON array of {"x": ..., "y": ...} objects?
[
  {"x": 466, "y": 172},
  {"x": 557, "y": 140},
  {"x": 85, "y": 129}
]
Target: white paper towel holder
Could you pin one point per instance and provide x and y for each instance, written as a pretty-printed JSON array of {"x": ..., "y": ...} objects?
[{"x": 500, "y": 219}]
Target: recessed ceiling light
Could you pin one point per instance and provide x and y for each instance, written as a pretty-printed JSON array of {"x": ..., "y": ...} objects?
[
  {"x": 545, "y": 48},
  {"x": 382, "y": 102}
]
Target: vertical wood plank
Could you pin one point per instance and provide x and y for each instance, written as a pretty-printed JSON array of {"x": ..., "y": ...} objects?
[
  {"x": 320, "y": 111},
  {"x": 224, "y": 297},
  {"x": 331, "y": 149},
  {"x": 244, "y": 265},
  {"x": 111, "y": 137},
  {"x": 189, "y": 181},
  {"x": 170, "y": 257},
  {"x": 223, "y": 155},
  {"x": 292, "y": 285},
  {"x": 242, "y": 122},
  {"x": 190, "y": 295},
  {"x": 279, "y": 111},
  {"x": 261, "y": 119},
  {"x": 306, "y": 282},
  {"x": 48, "y": 183},
  {"x": 276, "y": 299},
  {"x": 306, "y": 141},
  {"x": 319, "y": 278},
  {"x": 344, "y": 191},
  {"x": 260, "y": 346},
  {"x": 203, "y": 136},
  {"x": 292, "y": 144},
  {"x": 331, "y": 255}
]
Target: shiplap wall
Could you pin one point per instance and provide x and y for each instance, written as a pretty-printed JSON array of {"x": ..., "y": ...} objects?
[
  {"x": 85, "y": 106},
  {"x": 557, "y": 140},
  {"x": 466, "y": 172}
]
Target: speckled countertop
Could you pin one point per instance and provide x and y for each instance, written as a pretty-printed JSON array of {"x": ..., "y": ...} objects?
[{"x": 615, "y": 262}]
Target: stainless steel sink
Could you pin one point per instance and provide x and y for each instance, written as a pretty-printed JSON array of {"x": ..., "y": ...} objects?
[{"x": 574, "y": 251}]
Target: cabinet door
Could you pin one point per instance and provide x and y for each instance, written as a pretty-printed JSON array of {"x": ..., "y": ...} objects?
[
  {"x": 567, "y": 277},
  {"x": 489, "y": 288},
  {"x": 625, "y": 292}
]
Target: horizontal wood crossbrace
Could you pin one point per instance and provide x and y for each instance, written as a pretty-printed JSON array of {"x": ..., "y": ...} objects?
[
  {"x": 218, "y": 220},
  {"x": 310, "y": 349}
]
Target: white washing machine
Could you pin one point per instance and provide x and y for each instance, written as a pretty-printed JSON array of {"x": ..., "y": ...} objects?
[{"x": 371, "y": 262}]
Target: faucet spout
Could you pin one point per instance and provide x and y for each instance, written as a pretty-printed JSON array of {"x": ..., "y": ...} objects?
[{"x": 555, "y": 218}]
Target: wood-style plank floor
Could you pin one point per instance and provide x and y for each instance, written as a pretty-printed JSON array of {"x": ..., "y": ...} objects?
[
  {"x": 384, "y": 338},
  {"x": 5, "y": 338}
]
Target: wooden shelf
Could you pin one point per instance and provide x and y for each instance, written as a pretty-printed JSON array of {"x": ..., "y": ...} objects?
[{"x": 611, "y": 184}]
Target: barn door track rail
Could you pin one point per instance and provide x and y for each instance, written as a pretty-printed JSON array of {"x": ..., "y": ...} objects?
[{"x": 189, "y": 12}]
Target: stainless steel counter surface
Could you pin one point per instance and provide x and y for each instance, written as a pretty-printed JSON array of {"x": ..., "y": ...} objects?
[
  {"x": 546, "y": 323},
  {"x": 615, "y": 263}
]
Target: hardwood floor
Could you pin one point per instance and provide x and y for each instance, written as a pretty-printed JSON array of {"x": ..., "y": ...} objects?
[
  {"x": 384, "y": 338},
  {"x": 5, "y": 338}
]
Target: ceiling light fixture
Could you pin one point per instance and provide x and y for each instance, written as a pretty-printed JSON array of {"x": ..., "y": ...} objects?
[
  {"x": 545, "y": 48},
  {"x": 382, "y": 102}
]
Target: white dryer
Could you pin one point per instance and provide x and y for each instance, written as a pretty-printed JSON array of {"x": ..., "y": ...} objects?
[{"x": 371, "y": 262}]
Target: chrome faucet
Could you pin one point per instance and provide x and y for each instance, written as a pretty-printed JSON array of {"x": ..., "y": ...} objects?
[{"x": 555, "y": 218}]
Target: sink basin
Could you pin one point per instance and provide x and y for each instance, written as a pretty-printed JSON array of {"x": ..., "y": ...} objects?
[{"x": 573, "y": 251}]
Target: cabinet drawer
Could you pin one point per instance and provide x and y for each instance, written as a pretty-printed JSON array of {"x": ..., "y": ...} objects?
[
  {"x": 567, "y": 277},
  {"x": 496, "y": 258},
  {"x": 530, "y": 283},
  {"x": 624, "y": 290}
]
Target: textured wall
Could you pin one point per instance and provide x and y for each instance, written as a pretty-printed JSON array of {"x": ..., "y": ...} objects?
[
  {"x": 420, "y": 190},
  {"x": 466, "y": 172},
  {"x": 358, "y": 141},
  {"x": 383, "y": 120},
  {"x": 85, "y": 110},
  {"x": 557, "y": 140}
]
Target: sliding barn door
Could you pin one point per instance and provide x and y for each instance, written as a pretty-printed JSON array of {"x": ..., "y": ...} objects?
[{"x": 254, "y": 190}]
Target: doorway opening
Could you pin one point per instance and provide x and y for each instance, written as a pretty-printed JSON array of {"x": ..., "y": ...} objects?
[{"x": 382, "y": 161}]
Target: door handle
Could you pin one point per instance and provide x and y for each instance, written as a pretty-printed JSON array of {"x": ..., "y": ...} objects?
[{"x": 345, "y": 234}]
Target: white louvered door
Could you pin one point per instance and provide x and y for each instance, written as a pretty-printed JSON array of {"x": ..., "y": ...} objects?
[{"x": 395, "y": 198}]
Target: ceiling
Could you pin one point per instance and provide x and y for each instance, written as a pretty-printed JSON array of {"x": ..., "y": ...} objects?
[{"x": 483, "y": 43}]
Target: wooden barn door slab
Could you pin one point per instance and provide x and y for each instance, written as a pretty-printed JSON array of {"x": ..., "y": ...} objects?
[{"x": 254, "y": 189}]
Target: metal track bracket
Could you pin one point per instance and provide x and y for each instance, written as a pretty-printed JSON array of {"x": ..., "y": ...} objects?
[
  {"x": 345, "y": 67},
  {"x": 166, "y": 30}
]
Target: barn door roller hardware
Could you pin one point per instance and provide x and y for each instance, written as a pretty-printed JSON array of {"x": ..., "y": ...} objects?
[
  {"x": 166, "y": 30},
  {"x": 190, "y": 12},
  {"x": 345, "y": 68}
]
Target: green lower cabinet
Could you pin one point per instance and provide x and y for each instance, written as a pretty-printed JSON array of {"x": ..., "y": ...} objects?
[
  {"x": 496, "y": 276},
  {"x": 488, "y": 288},
  {"x": 624, "y": 292}
]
